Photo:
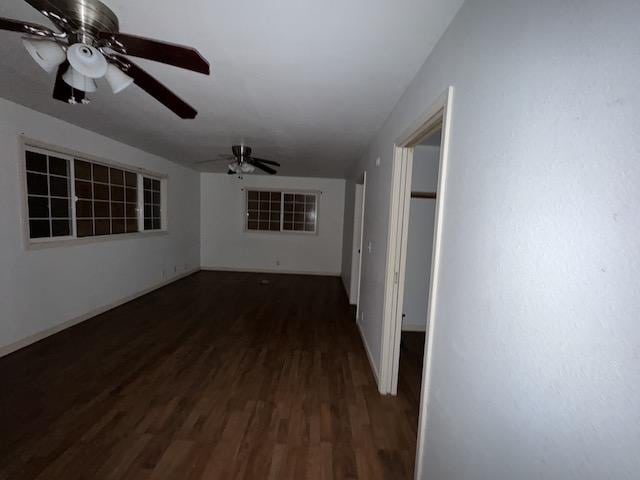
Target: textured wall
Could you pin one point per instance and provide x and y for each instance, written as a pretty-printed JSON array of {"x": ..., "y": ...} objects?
[
  {"x": 536, "y": 364},
  {"x": 225, "y": 243},
  {"x": 42, "y": 289}
]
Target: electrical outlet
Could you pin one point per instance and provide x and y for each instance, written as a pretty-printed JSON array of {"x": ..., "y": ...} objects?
[
  {"x": 369, "y": 247},
  {"x": 175, "y": 269}
]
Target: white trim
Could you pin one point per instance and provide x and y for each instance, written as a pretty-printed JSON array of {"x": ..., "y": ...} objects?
[
  {"x": 392, "y": 270},
  {"x": 7, "y": 349},
  {"x": 447, "y": 106},
  {"x": 211, "y": 268},
  {"x": 26, "y": 143},
  {"x": 400, "y": 201},
  {"x": 73, "y": 242},
  {"x": 74, "y": 154},
  {"x": 374, "y": 367},
  {"x": 438, "y": 116},
  {"x": 245, "y": 211},
  {"x": 364, "y": 209}
]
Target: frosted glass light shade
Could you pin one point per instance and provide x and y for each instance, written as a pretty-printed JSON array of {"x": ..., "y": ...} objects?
[
  {"x": 117, "y": 79},
  {"x": 78, "y": 81},
  {"x": 48, "y": 54},
  {"x": 247, "y": 168},
  {"x": 87, "y": 60}
]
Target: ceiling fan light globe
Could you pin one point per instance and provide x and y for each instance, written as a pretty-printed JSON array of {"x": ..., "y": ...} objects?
[
  {"x": 117, "y": 79},
  {"x": 87, "y": 60},
  {"x": 247, "y": 168},
  {"x": 76, "y": 80},
  {"x": 46, "y": 53},
  {"x": 234, "y": 167}
]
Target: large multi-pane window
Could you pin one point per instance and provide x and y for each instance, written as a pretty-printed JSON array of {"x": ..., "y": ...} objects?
[
  {"x": 299, "y": 212},
  {"x": 48, "y": 194},
  {"x": 107, "y": 200},
  {"x": 152, "y": 204},
  {"x": 76, "y": 198},
  {"x": 263, "y": 210},
  {"x": 276, "y": 211}
]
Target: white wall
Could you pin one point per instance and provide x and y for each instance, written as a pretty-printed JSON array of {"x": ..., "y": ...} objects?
[
  {"x": 226, "y": 245},
  {"x": 42, "y": 289},
  {"x": 355, "y": 244},
  {"x": 347, "y": 234},
  {"x": 420, "y": 239},
  {"x": 536, "y": 369}
]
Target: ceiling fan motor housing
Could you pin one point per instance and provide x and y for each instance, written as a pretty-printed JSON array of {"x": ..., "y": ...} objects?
[
  {"x": 83, "y": 17},
  {"x": 241, "y": 152}
]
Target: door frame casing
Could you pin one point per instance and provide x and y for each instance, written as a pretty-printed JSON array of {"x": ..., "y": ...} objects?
[
  {"x": 361, "y": 240},
  {"x": 439, "y": 115}
]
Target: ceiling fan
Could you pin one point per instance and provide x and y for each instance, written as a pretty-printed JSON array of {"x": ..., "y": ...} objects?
[
  {"x": 89, "y": 46},
  {"x": 243, "y": 162}
]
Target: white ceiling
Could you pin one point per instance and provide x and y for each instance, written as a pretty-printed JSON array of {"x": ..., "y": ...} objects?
[{"x": 305, "y": 83}]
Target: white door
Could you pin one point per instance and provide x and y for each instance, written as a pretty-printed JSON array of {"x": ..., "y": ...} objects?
[{"x": 356, "y": 253}]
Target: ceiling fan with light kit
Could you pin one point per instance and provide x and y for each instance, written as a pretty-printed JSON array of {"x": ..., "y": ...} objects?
[
  {"x": 241, "y": 161},
  {"x": 90, "y": 46}
]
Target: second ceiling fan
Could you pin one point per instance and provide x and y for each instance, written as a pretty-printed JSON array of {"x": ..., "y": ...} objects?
[
  {"x": 242, "y": 161},
  {"x": 90, "y": 46}
]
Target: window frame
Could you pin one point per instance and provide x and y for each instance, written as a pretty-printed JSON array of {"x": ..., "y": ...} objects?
[
  {"x": 282, "y": 191},
  {"x": 142, "y": 203},
  {"x": 71, "y": 187},
  {"x": 29, "y": 144}
]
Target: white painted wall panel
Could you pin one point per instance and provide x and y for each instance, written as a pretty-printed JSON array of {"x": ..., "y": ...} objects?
[
  {"x": 535, "y": 360},
  {"x": 420, "y": 241},
  {"x": 41, "y": 289},
  {"x": 226, "y": 244}
]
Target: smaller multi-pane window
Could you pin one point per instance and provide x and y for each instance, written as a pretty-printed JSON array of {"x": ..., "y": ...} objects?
[
  {"x": 263, "y": 211},
  {"x": 107, "y": 200},
  {"x": 152, "y": 204},
  {"x": 49, "y": 195},
  {"x": 281, "y": 211},
  {"x": 299, "y": 212}
]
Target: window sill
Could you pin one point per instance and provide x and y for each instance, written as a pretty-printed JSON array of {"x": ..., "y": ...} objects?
[
  {"x": 89, "y": 240},
  {"x": 281, "y": 233}
]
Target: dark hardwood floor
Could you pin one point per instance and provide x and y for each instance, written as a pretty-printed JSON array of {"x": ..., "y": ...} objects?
[
  {"x": 410, "y": 369},
  {"x": 213, "y": 377}
]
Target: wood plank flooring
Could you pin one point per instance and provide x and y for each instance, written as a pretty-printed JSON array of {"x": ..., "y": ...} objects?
[
  {"x": 410, "y": 369},
  {"x": 213, "y": 377}
]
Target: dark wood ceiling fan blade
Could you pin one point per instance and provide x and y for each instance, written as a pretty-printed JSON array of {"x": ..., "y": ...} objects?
[
  {"x": 157, "y": 90},
  {"x": 62, "y": 91},
  {"x": 23, "y": 27},
  {"x": 262, "y": 166},
  {"x": 268, "y": 162},
  {"x": 230, "y": 172},
  {"x": 177, "y": 55}
]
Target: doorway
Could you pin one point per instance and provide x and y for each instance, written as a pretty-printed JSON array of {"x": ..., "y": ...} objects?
[
  {"x": 437, "y": 118},
  {"x": 415, "y": 302},
  {"x": 358, "y": 235}
]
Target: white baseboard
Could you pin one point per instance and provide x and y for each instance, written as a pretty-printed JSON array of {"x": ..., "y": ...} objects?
[
  {"x": 7, "y": 349},
  {"x": 374, "y": 368},
  {"x": 267, "y": 270}
]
